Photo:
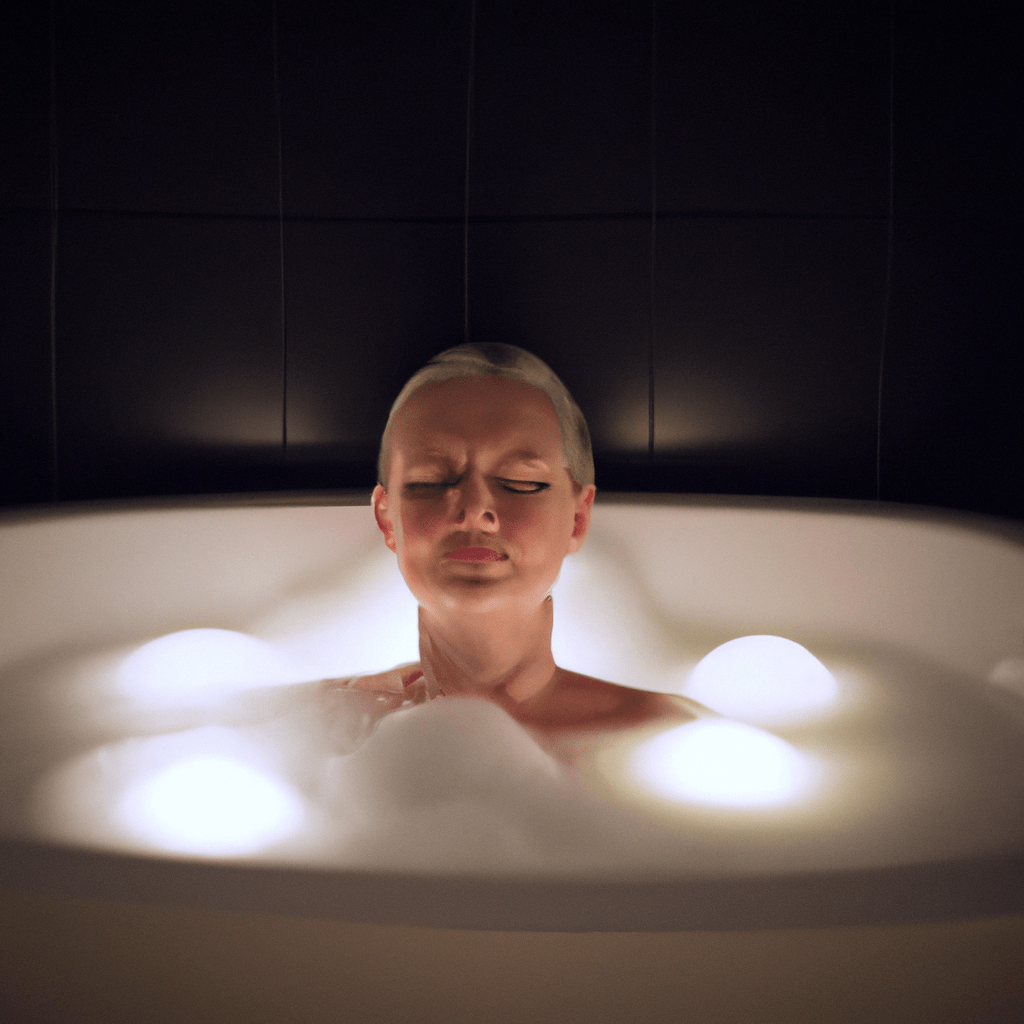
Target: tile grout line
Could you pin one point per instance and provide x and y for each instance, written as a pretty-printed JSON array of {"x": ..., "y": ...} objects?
[
  {"x": 280, "y": 232},
  {"x": 890, "y": 244},
  {"x": 654, "y": 225},
  {"x": 470, "y": 74},
  {"x": 54, "y": 238}
]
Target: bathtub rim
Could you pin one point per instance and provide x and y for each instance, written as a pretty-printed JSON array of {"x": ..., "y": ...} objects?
[{"x": 923, "y": 893}]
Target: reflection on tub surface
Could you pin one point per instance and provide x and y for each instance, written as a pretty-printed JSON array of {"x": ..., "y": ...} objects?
[
  {"x": 211, "y": 804},
  {"x": 722, "y": 763}
]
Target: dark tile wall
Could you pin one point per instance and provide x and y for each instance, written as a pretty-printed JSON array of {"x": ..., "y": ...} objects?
[
  {"x": 259, "y": 235},
  {"x": 773, "y": 109},
  {"x": 26, "y": 471},
  {"x": 562, "y": 110},
  {"x": 166, "y": 107},
  {"x": 369, "y": 302},
  {"x": 25, "y": 246},
  {"x": 576, "y": 292},
  {"x": 170, "y": 351},
  {"x": 373, "y": 100},
  {"x": 767, "y": 350},
  {"x": 953, "y": 414}
]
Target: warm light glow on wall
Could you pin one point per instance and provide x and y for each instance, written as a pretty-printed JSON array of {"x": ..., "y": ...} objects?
[
  {"x": 712, "y": 414},
  {"x": 205, "y": 418}
]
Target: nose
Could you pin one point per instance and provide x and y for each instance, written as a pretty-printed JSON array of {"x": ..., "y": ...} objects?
[{"x": 476, "y": 505}]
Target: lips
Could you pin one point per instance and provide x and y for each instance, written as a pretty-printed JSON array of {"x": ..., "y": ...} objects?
[{"x": 475, "y": 555}]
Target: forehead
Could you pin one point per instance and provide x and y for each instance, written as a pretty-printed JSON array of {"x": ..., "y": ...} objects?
[{"x": 477, "y": 410}]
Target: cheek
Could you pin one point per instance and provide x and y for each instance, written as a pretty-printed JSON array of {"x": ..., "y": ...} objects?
[
  {"x": 530, "y": 522},
  {"x": 544, "y": 533},
  {"x": 421, "y": 522}
]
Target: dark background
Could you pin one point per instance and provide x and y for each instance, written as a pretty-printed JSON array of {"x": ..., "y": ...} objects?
[{"x": 229, "y": 231}]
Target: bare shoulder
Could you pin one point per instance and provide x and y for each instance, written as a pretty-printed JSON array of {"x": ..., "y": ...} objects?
[{"x": 577, "y": 701}]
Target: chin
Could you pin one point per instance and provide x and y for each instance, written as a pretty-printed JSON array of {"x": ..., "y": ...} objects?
[
  {"x": 479, "y": 597},
  {"x": 474, "y": 600}
]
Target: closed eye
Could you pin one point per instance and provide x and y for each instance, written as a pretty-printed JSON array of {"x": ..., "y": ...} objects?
[
  {"x": 524, "y": 486},
  {"x": 512, "y": 486}
]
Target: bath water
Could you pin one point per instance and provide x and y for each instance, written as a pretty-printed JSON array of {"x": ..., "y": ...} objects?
[{"x": 905, "y": 761}]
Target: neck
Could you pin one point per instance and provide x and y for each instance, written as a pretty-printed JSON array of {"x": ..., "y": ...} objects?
[{"x": 488, "y": 655}]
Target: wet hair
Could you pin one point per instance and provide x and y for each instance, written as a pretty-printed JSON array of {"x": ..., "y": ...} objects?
[{"x": 512, "y": 363}]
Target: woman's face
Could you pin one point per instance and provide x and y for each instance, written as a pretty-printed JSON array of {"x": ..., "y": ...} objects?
[{"x": 477, "y": 464}]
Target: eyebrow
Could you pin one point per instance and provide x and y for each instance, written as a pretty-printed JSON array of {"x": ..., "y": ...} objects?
[{"x": 524, "y": 455}]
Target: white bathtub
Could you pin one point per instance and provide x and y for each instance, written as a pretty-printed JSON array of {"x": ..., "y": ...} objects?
[{"x": 926, "y": 925}]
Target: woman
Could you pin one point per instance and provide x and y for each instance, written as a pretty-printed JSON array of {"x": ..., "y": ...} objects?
[{"x": 485, "y": 483}]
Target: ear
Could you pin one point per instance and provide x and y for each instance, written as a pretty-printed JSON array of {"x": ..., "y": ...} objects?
[
  {"x": 581, "y": 523},
  {"x": 380, "y": 513}
]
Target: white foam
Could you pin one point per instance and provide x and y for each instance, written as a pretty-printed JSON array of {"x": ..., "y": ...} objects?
[{"x": 457, "y": 784}]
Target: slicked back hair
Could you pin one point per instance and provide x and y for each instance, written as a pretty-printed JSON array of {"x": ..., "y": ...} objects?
[{"x": 513, "y": 363}]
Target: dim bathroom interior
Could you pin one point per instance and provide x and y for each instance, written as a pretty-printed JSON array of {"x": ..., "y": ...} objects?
[{"x": 772, "y": 253}]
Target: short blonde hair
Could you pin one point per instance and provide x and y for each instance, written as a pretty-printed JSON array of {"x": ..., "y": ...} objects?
[{"x": 513, "y": 363}]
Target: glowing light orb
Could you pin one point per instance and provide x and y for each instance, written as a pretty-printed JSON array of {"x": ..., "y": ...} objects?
[
  {"x": 211, "y": 804},
  {"x": 201, "y": 663},
  {"x": 712, "y": 761},
  {"x": 763, "y": 680}
]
